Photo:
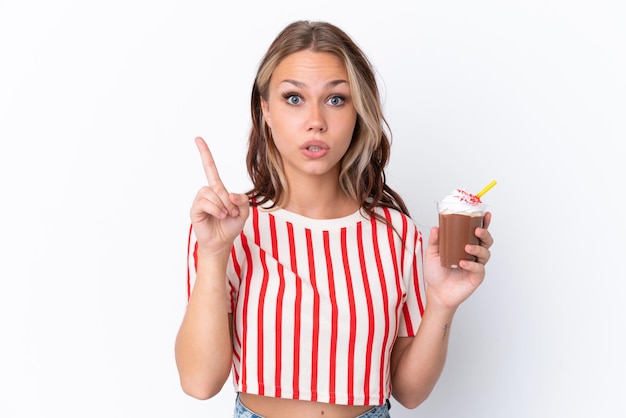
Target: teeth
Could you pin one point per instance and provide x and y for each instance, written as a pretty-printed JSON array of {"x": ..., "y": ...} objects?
[{"x": 314, "y": 148}]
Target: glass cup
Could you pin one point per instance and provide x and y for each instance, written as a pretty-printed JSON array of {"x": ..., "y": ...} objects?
[{"x": 456, "y": 230}]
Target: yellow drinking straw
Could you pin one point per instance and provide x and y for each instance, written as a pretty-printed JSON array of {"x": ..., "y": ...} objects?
[{"x": 486, "y": 189}]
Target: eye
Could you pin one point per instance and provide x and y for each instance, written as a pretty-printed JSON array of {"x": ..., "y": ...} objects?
[
  {"x": 292, "y": 98},
  {"x": 336, "y": 100}
]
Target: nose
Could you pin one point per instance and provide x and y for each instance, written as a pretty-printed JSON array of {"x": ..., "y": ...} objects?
[{"x": 316, "y": 120}]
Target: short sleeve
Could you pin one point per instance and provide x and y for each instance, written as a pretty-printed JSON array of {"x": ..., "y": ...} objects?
[
  {"x": 413, "y": 279},
  {"x": 192, "y": 260}
]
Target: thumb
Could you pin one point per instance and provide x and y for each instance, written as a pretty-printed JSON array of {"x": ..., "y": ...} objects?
[{"x": 433, "y": 241}]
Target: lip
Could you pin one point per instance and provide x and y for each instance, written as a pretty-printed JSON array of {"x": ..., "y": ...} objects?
[{"x": 314, "y": 149}]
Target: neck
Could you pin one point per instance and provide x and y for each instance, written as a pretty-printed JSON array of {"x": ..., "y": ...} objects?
[{"x": 319, "y": 201}]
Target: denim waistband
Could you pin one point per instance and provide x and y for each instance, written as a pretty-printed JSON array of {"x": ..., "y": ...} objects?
[{"x": 381, "y": 411}]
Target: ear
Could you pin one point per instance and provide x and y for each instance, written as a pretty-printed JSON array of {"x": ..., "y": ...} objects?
[{"x": 265, "y": 108}]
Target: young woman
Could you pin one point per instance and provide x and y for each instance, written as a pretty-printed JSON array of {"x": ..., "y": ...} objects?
[{"x": 313, "y": 288}]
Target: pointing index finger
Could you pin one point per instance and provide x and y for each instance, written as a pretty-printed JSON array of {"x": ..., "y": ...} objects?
[{"x": 210, "y": 169}]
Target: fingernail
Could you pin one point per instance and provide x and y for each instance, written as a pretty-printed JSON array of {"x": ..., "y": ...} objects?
[{"x": 234, "y": 213}]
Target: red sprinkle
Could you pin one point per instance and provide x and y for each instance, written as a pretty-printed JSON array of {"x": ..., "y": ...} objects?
[{"x": 468, "y": 197}]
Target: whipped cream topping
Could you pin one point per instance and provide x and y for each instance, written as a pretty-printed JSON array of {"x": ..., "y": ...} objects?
[{"x": 461, "y": 201}]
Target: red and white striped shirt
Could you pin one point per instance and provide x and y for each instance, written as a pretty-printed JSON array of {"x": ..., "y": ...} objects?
[{"x": 318, "y": 304}]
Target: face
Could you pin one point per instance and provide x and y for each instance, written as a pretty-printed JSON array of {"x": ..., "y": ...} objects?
[{"x": 311, "y": 114}]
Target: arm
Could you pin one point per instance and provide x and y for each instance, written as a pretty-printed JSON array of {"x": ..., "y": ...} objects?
[
  {"x": 417, "y": 362},
  {"x": 203, "y": 345}
]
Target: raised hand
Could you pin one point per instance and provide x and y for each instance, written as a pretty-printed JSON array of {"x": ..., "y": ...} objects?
[{"x": 217, "y": 216}]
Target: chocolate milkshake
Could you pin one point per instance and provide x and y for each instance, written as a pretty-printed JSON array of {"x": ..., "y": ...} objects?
[{"x": 460, "y": 213}]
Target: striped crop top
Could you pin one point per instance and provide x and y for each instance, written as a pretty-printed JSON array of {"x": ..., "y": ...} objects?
[{"x": 318, "y": 304}]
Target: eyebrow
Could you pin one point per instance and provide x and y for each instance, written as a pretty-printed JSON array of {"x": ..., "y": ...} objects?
[{"x": 297, "y": 83}]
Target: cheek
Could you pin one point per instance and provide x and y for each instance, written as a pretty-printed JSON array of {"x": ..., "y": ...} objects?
[
  {"x": 282, "y": 130},
  {"x": 283, "y": 118},
  {"x": 280, "y": 135},
  {"x": 284, "y": 123},
  {"x": 348, "y": 125}
]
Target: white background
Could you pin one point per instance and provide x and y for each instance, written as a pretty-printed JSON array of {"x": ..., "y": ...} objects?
[{"x": 99, "y": 105}]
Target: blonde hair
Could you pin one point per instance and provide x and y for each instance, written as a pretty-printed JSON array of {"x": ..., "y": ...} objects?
[{"x": 361, "y": 175}]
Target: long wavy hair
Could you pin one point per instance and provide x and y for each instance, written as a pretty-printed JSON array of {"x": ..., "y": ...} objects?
[{"x": 361, "y": 174}]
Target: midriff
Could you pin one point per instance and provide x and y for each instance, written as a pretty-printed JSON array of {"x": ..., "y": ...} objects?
[{"x": 269, "y": 407}]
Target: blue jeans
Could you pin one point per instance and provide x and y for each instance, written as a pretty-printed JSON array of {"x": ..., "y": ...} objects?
[{"x": 381, "y": 411}]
